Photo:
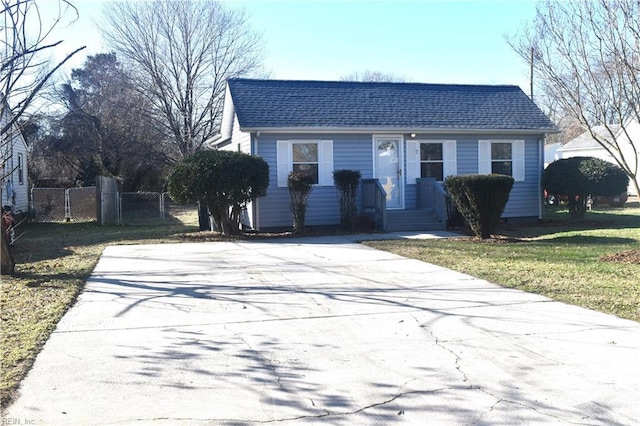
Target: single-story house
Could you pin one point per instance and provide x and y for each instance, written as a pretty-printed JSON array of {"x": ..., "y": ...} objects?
[
  {"x": 404, "y": 138},
  {"x": 13, "y": 151},
  {"x": 585, "y": 145}
]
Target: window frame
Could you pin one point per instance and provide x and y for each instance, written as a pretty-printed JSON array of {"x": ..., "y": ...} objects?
[
  {"x": 316, "y": 163},
  {"x": 284, "y": 160},
  {"x": 441, "y": 161},
  {"x": 449, "y": 158},
  {"x": 486, "y": 160},
  {"x": 20, "y": 169}
]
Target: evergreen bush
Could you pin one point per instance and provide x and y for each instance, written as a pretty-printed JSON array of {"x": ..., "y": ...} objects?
[
  {"x": 480, "y": 199},
  {"x": 347, "y": 181},
  {"x": 579, "y": 177},
  {"x": 300, "y": 186},
  {"x": 223, "y": 180}
]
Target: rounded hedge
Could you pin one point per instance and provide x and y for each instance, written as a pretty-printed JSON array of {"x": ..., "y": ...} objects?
[{"x": 581, "y": 176}]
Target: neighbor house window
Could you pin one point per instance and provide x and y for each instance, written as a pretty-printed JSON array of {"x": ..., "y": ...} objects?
[
  {"x": 312, "y": 157},
  {"x": 503, "y": 157},
  {"x": 20, "y": 170},
  {"x": 431, "y": 160}
]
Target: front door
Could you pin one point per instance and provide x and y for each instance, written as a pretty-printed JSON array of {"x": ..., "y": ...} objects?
[{"x": 388, "y": 168}]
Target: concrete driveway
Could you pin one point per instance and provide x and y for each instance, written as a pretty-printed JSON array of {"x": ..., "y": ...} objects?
[{"x": 322, "y": 331}]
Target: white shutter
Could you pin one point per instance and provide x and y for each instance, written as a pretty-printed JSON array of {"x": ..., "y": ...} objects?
[
  {"x": 285, "y": 164},
  {"x": 518, "y": 160},
  {"x": 325, "y": 174},
  {"x": 450, "y": 158},
  {"x": 484, "y": 157},
  {"x": 413, "y": 161}
]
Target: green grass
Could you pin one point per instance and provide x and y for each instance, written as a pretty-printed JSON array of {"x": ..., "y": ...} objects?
[
  {"x": 53, "y": 262},
  {"x": 558, "y": 259}
]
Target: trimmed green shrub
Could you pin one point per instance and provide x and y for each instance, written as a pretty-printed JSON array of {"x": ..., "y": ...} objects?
[
  {"x": 579, "y": 177},
  {"x": 480, "y": 199},
  {"x": 300, "y": 186},
  {"x": 223, "y": 180},
  {"x": 347, "y": 182}
]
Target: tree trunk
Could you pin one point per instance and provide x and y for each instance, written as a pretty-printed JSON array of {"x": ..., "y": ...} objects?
[
  {"x": 577, "y": 206},
  {"x": 8, "y": 262}
]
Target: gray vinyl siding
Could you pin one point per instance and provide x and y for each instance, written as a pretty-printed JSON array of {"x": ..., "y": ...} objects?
[
  {"x": 352, "y": 152},
  {"x": 355, "y": 152},
  {"x": 525, "y": 195}
]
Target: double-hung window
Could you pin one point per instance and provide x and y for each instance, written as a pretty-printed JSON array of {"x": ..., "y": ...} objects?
[
  {"x": 504, "y": 157},
  {"x": 305, "y": 159},
  {"x": 431, "y": 159},
  {"x": 312, "y": 157}
]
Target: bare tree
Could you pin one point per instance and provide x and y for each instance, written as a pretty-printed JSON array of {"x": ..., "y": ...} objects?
[
  {"x": 24, "y": 67},
  {"x": 24, "y": 72},
  {"x": 586, "y": 57},
  {"x": 182, "y": 53},
  {"x": 373, "y": 77}
]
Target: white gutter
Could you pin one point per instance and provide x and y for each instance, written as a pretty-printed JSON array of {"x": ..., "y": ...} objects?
[{"x": 437, "y": 130}]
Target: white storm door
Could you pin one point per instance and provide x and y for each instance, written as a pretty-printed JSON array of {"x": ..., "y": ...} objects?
[{"x": 388, "y": 168}]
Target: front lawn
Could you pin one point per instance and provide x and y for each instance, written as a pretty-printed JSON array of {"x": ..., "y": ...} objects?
[{"x": 594, "y": 264}]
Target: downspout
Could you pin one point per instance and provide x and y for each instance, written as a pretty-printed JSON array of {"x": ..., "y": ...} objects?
[
  {"x": 541, "y": 142},
  {"x": 255, "y": 206}
]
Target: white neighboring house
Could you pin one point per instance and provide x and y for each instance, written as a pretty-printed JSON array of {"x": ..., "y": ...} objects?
[
  {"x": 13, "y": 154},
  {"x": 551, "y": 153},
  {"x": 585, "y": 146}
]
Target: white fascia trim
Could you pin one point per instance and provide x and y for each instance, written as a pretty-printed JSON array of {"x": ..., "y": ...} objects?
[{"x": 395, "y": 131}]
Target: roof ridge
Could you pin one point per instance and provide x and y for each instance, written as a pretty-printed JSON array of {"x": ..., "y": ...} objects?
[{"x": 395, "y": 83}]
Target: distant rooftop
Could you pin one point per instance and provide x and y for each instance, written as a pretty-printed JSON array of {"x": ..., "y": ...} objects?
[
  {"x": 586, "y": 141},
  {"x": 293, "y": 104}
]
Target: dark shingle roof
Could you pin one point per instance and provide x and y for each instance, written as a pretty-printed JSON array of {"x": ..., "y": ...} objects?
[{"x": 285, "y": 104}]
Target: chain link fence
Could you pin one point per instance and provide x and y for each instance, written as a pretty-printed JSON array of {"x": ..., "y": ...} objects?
[
  {"x": 155, "y": 208},
  {"x": 63, "y": 205},
  {"x": 130, "y": 208}
]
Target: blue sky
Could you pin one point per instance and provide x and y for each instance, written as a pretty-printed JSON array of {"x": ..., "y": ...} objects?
[{"x": 458, "y": 42}]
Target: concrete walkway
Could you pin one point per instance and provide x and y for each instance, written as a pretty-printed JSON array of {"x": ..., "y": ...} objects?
[{"x": 322, "y": 331}]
